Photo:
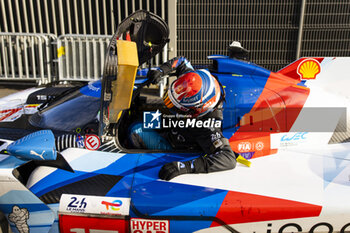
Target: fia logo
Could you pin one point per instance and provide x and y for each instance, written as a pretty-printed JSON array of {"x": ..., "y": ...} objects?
[
  {"x": 151, "y": 120},
  {"x": 244, "y": 146}
]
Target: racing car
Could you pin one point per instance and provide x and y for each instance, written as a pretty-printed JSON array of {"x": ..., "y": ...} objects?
[{"x": 289, "y": 125}]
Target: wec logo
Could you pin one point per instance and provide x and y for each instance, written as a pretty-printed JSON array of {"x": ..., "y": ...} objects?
[{"x": 294, "y": 137}]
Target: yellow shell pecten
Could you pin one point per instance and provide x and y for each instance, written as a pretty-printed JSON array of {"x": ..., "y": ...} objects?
[{"x": 309, "y": 69}]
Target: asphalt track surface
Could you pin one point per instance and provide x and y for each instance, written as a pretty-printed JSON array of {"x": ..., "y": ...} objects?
[{"x": 7, "y": 90}]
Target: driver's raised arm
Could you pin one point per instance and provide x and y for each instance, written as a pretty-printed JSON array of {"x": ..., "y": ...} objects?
[{"x": 178, "y": 64}]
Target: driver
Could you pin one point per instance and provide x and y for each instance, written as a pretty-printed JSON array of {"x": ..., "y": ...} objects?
[{"x": 197, "y": 94}]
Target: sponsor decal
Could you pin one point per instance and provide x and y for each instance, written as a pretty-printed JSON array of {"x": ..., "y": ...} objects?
[
  {"x": 92, "y": 142},
  {"x": 32, "y": 152},
  {"x": 308, "y": 69},
  {"x": 215, "y": 136},
  {"x": 89, "y": 224},
  {"x": 19, "y": 217},
  {"x": 273, "y": 209},
  {"x": 79, "y": 139},
  {"x": 244, "y": 147},
  {"x": 216, "y": 140},
  {"x": 247, "y": 155},
  {"x": 217, "y": 143},
  {"x": 112, "y": 205},
  {"x": 77, "y": 205},
  {"x": 70, "y": 203},
  {"x": 9, "y": 115},
  {"x": 138, "y": 225},
  {"x": 322, "y": 226},
  {"x": 31, "y": 108},
  {"x": 259, "y": 146},
  {"x": 293, "y": 139},
  {"x": 41, "y": 97},
  {"x": 93, "y": 88},
  {"x": 155, "y": 120},
  {"x": 12, "y": 114}
]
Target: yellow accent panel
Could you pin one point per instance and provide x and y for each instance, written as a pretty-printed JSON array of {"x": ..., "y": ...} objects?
[
  {"x": 243, "y": 161},
  {"x": 123, "y": 87},
  {"x": 127, "y": 53},
  {"x": 61, "y": 51}
]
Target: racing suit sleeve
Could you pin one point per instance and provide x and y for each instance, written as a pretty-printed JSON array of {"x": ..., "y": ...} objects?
[
  {"x": 178, "y": 64},
  {"x": 218, "y": 154}
]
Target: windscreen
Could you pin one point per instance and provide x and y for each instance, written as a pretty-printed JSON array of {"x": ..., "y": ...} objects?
[{"x": 72, "y": 111}]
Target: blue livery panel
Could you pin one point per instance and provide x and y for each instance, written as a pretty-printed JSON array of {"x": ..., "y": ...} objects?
[{"x": 243, "y": 83}]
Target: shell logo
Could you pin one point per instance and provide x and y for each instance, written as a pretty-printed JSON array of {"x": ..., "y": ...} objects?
[{"x": 308, "y": 69}]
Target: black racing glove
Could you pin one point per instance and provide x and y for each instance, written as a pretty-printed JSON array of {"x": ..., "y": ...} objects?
[
  {"x": 155, "y": 76},
  {"x": 173, "y": 169}
]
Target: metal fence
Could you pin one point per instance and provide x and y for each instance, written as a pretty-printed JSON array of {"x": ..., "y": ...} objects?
[
  {"x": 81, "y": 57},
  {"x": 326, "y": 28},
  {"x": 26, "y": 57},
  {"x": 276, "y": 32},
  {"x": 45, "y": 58},
  {"x": 60, "y": 17}
]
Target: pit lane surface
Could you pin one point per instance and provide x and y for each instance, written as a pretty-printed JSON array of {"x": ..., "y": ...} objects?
[{"x": 7, "y": 90}]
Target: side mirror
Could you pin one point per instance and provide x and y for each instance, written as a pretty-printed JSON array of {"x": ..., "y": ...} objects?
[{"x": 37, "y": 146}]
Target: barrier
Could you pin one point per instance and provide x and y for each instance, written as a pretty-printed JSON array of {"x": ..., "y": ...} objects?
[
  {"x": 43, "y": 58},
  {"x": 27, "y": 57},
  {"x": 81, "y": 57}
]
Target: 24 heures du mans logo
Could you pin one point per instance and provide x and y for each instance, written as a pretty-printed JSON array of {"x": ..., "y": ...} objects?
[{"x": 156, "y": 120}]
